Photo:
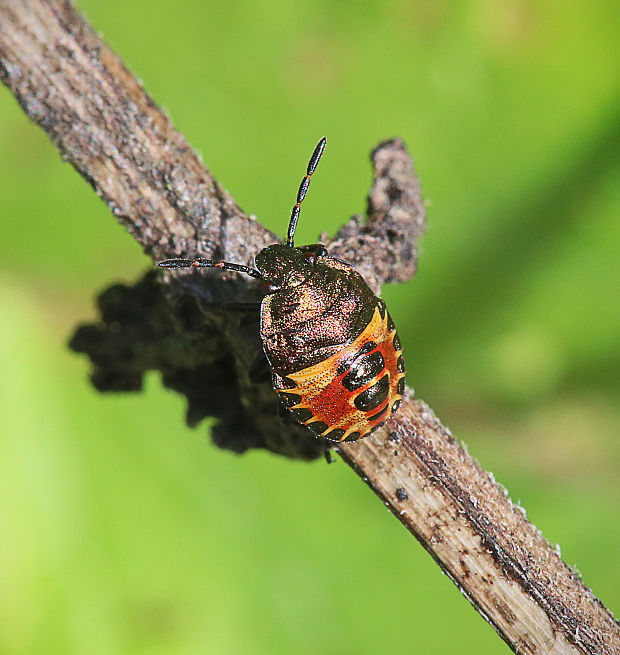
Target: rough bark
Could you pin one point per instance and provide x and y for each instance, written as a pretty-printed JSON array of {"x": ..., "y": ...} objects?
[{"x": 106, "y": 126}]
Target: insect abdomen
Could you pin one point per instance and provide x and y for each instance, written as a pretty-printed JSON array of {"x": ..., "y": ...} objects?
[{"x": 348, "y": 395}]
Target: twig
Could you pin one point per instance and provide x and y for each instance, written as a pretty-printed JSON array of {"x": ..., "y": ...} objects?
[{"x": 103, "y": 122}]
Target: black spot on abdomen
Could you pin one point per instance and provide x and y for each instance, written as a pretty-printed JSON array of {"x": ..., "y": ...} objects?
[
  {"x": 378, "y": 415},
  {"x": 363, "y": 371},
  {"x": 318, "y": 427},
  {"x": 373, "y": 396},
  {"x": 334, "y": 435},
  {"x": 289, "y": 400},
  {"x": 301, "y": 415},
  {"x": 369, "y": 346}
]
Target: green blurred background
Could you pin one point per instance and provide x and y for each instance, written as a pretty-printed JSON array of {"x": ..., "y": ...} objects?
[{"x": 122, "y": 531}]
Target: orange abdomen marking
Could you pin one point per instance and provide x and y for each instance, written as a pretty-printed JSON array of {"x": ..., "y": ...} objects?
[{"x": 350, "y": 394}]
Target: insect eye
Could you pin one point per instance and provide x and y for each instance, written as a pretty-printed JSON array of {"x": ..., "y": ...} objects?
[
  {"x": 268, "y": 287},
  {"x": 310, "y": 257}
]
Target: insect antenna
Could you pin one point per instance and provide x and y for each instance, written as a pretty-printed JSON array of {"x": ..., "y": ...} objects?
[
  {"x": 209, "y": 263},
  {"x": 303, "y": 188}
]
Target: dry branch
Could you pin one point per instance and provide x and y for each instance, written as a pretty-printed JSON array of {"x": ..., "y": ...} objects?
[{"x": 103, "y": 122}]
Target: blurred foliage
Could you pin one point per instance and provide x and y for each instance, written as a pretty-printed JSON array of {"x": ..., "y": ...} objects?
[{"x": 125, "y": 532}]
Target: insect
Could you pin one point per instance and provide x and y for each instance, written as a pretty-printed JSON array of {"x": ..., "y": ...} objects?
[{"x": 335, "y": 357}]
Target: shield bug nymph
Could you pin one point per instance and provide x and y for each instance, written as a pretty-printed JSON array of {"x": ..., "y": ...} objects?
[{"x": 335, "y": 357}]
